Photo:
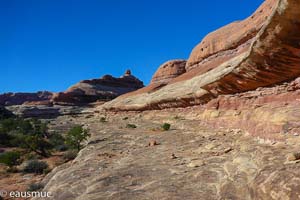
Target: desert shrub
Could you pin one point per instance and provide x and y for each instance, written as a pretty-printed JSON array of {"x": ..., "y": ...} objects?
[
  {"x": 30, "y": 156},
  {"x": 166, "y": 126},
  {"x": 131, "y": 126},
  {"x": 35, "y": 166},
  {"x": 70, "y": 155},
  {"x": 58, "y": 142},
  {"x": 31, "y": 135},
  {"x": 10, "y": 158},
  {"x": 35, "y": 187},
  {"x": 4, "y": 113},
  {"x": 5, "y": 139},
  {"x": 103, "y": 119},
  {"x": 76, "y": 136},
  {"x": 61, "y": 148},
  {"x": 125, "y": 118}
]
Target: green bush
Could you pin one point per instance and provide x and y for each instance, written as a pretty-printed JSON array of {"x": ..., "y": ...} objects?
[
  {"x": 30, "y": 156},
  {"x": 76, "y": 136},
  {"x": 70, "y": 155},
  {"x": 103, "y": 119},
  {"x": 131, "y": 126},
  {"x": 35, "y": 166},
  {"x": 166, "y": 126},
  {"x": 30, "y": 134},
  {"x": 10, "y": 159},
  {"x": 35, "y": 187},
  {"x": 58, "y": 142}
]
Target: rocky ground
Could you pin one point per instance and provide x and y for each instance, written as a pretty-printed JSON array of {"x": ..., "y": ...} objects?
[{"x": 190, "y": 161}]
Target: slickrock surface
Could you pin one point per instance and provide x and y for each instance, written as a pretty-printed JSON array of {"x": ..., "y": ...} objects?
[
  {"x": 44, "y": 111},
  {"x": 168, "y": 71},
  {"x": 263, "y": 50},
  {"x": 103, "y": 89},
  {"x": 191, "y": 161},
  {"x": 8, "y": 99}
]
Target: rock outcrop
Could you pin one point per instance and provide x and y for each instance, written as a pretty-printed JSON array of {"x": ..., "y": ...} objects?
[
  {"x": 190, "y": 162},
  {"x": 103, "y": 89},
  {"x": 8, "y": 99},
  {"x": 82, "y": 93},
  {"x": 261, "y": 51},
  {"x": 168, "y": 71}
]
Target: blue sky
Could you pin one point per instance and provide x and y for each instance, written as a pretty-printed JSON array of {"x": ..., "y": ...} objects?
[{"x": 52, "y": 44}]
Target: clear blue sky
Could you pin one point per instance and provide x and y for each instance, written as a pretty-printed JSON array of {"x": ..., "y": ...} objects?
[{"x": 52, "y": 44}]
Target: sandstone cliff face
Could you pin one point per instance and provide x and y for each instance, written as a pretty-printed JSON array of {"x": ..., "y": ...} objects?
[
  {"x": 168, "y": 71},
  {"x": 263, "y": 50},
  {"x": 8, "y": 99},
  {"x": 103, "y": 89},
  {"x": 231, "y": 36}
]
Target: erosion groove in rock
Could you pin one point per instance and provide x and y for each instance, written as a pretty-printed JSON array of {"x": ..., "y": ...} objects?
[{"x": 270, "y": 56}]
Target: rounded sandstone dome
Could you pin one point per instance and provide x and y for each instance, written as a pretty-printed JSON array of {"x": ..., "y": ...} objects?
[
  {"x": 231, "y": 36},
  {"x": 168, "y": 71}
]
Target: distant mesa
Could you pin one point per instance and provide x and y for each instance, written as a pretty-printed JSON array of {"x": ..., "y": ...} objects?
[
  {"x": 87, "y": 91},
  {"x": 98, "y": 90},
  {"x": 9, "y": 99}
]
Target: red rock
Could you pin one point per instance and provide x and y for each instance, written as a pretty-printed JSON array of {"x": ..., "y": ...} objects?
[
  {"x": 261, "y": 51},
  {"x": 231, "y": 36},
  {"x": 168, "y": 71},
  {"x": 103, "y": 89},
  {"x": 8, "y": 99}
]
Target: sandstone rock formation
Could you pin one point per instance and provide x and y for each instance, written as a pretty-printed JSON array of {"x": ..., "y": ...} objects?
[
  {"x": 209, "y": 164},
  {"x": 103, "y": 89},
  {"x": 168, "y": 71},
  {"x": 241, "y": 80},
  {"x": 8, "y": 99},
  {"x": 262, "y": 50}
]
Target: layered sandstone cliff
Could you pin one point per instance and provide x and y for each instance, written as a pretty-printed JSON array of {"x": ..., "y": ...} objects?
[
  {"x": 82, "y": 93},
  {"x": 260, "y": 51},
  {"x": 103, "y": 89},
  {"x": 8, "y": 99}
]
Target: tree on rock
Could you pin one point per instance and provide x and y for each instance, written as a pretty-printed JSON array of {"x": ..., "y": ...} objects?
[{"x": 76, "y": 136}]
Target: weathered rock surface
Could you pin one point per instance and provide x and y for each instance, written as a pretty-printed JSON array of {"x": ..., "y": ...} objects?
[
  {"x": 118, "y": 163},
  {"x": 231, "y": 36},
  {"x": 168, "y": 71},
  {"x": 103, "y": 89},
  {"x": 262, "y": 51},
  {"x": 45, "y": 111},
  {"x": 8, "y": 99}
]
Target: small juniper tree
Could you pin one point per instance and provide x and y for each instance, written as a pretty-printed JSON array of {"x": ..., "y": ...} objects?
[
  {"x": 76, "y": 136},
  {"x": 10, "y": 159}
]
